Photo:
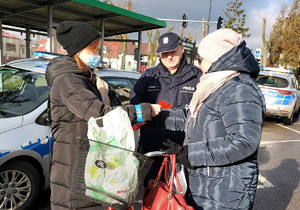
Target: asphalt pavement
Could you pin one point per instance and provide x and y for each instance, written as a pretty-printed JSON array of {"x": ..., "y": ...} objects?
[{"x": 279, "y": 160}]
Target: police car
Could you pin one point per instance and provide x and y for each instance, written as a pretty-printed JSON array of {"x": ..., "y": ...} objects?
[
  {"x": 282, "y": 94},
  {"x": 25, "y": 136}
]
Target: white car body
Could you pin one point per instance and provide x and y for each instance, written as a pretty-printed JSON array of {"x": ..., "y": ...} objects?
[{"x": 281, "y": 91}]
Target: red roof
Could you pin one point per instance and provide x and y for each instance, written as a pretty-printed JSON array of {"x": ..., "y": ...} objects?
[
  {"x": 112, "y": 48},
  {"x": 42, "y": 47},
  {"x": 5, "y": 34},
  {"x": 43, "y": 41},
  {"x": 131, "y": 46}
]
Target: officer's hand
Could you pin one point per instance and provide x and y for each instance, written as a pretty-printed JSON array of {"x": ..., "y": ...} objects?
[{"x": 156, "y": 108}]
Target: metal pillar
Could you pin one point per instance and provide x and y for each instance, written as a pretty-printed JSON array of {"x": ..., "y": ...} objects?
[
  {"x": 1, "y": 43},
  {"x": 27, "y": 39},
  {"x": 138, "y": 62},
  {"x": 208, "y": 21},
  {"x": 102, "y": 39},
  {"x": 49, "y": 26}
]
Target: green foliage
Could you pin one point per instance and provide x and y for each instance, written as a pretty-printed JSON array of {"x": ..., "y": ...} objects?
[
  {"x": 236, "y": 17},
  {"x": 297, "y": 72},
  {"x": 285, "y": 47}
]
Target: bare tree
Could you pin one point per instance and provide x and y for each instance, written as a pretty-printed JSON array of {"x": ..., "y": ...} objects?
[
  {"x": 129, "y": 6},
  {"x": 152, "y": 46}
]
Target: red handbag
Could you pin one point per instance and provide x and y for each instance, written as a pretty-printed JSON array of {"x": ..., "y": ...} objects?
[{"x": 160, "y": 196}]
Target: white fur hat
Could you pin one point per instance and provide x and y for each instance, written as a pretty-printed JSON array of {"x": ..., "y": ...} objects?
[{"x": 216, "y": 44}]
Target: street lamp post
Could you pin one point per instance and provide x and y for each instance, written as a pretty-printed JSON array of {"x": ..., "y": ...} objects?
[{"x": 208, "y": 21}]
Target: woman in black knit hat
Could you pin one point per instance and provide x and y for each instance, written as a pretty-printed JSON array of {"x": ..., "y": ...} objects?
[{"x": 75, "y": 98}]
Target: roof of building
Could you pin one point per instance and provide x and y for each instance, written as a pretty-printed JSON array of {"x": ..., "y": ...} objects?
[
  {"x": 34, "y": 14},
  {"x": 5, "y": 34},
  {"x": 113, "y": 49}
]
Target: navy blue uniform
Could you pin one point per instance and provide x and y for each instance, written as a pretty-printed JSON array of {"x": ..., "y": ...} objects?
[{"x": 158, "y": 84}]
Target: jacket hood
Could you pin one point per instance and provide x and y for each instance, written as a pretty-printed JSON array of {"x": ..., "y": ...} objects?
[
  {"x": 61, "y": 65},
  {"x": 239, "y": 58}
]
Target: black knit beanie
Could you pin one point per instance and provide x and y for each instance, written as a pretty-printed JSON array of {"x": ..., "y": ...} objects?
[{"x": 75, "y": 35}]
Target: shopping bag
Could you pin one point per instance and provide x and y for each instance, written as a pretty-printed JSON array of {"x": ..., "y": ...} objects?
[
  {"x": 160, "y": 195},
  {"x": 181, "y": 177},
  {"x": 108, "y": 169}
]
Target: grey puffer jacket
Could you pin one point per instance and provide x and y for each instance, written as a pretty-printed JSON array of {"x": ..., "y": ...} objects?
[
  {"x": 74, "y": 99},
  {"x": 223, "y": 142}
]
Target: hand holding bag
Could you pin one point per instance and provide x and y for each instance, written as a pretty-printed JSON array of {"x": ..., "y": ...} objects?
[{"x": 160, "y": 195}]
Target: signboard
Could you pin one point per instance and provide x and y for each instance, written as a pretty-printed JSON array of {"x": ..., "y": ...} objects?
[
  {"x": 258, "y": 54},
  {"x": 188, "y": 46}
]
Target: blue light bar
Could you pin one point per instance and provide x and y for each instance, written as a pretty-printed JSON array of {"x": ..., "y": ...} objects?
[
  {"x": 278, "y": 70},
  {"x": 42, "y": 54}
]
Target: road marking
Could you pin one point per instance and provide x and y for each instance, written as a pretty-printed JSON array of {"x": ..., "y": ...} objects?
[
  {"x": 288, "y": 128},
  {"x": 265, "y": 183},
  {"x": 282, "y": 141}
]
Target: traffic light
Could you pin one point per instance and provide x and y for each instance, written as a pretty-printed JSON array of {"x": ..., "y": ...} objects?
[
  {"x": 219, "y": 24},
  {"x": 136, "y": 51},
  {"x": 184, "y": 23}
]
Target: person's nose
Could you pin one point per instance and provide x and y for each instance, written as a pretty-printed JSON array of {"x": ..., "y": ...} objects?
[{"x": 170, "y": 56}]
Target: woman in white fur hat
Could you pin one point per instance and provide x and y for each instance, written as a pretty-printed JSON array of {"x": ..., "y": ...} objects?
[{"x": 223, "y": 127}]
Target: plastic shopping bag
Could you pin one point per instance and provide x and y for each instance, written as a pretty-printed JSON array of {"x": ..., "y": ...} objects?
[{"x": 108, "y": 169}]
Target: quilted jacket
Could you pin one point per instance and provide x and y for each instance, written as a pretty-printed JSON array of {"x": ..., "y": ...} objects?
[
  {"x": 74, "y": 99},
  {"x": 223, "y": 142}
]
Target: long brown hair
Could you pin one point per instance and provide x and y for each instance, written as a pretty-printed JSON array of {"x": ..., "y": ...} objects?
[{"x": 92, "y": 47}]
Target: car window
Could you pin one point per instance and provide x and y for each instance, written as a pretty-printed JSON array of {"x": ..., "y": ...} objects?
[
  {"x": 21, "y": 91},
  {"x": 272, "y": 81},
  {"x": 122, "y": 87}
]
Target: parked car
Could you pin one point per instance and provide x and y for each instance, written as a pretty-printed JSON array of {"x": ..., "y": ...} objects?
[
  {"x": 25, "y": 135},
  {"x": 282, "y": 94}
]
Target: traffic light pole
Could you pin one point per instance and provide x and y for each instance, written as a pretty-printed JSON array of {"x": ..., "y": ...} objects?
[
  {"x": 189, "y": 21},
  {"x": 209, "y": 16}
]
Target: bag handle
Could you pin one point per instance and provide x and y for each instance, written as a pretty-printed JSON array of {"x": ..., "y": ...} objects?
[
  {"x": 173, "y": 173},
  {"x": 173, "y": 164},
  {"x": 179, "y": 188},
  {"x": 163, "y": 166}
]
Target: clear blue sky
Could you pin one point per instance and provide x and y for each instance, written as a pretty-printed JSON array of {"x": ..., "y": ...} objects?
[{"x": 255, "y": 10}]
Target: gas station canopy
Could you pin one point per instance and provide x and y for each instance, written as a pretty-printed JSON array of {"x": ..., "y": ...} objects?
[
  {"x": 44, "y": 15},
  {"x": 36, "y": 15}
]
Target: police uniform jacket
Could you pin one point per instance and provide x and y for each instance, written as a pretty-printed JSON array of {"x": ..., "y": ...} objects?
[{"x": 158, "y": 84}]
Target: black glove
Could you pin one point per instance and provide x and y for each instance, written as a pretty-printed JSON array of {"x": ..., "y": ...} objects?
[
  {"x": 180, "y": 151},
  {"x": 113, "y": 97}
]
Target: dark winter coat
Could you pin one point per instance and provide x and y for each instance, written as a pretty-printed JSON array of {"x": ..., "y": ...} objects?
[
  {"x": 223, "y": 143},
  {"x": 74, "y": 99},
  {"x": 158, "y": 84}
]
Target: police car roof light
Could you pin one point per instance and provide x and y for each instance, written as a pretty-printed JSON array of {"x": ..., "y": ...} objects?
[
  {"x": 279, "y": 70},
  {"x": 42, "y": 54}
]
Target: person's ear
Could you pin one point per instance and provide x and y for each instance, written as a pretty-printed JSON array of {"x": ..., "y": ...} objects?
[{"x": 182, "y": 48}]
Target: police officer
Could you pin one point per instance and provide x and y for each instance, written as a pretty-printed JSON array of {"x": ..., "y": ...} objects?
[{"x": 173, "y": 81}]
